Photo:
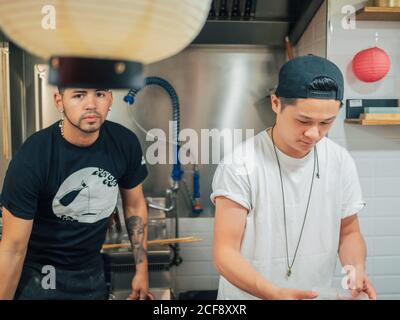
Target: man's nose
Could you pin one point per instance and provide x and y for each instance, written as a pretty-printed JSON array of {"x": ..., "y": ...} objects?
[
  {"x": 312, "y": 133},
  {"x": 90, "y": 102}
]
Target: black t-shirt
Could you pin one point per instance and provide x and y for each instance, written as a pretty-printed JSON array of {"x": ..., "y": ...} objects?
[{"x": 71, "y": 191}]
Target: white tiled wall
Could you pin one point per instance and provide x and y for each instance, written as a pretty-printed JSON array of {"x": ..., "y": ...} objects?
[
  {"x": 376, "y": 150},
  {"x": 313, "y": 39},
  {"x": 197, "y": 271}
]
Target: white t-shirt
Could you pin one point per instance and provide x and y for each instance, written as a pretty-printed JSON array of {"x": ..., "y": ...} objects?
[{"x": 250, "y": 177}]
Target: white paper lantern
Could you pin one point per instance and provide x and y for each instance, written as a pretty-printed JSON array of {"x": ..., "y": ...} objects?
[
  {"x": 115, "y": 32},
  {"x": 145, "y": 31}
]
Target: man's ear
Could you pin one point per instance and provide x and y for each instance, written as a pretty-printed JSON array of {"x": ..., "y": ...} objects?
[
  {"x": 58, "y": 101},
  {"x": 275, "y": 103},
  {"x": 112, "y": 98}
]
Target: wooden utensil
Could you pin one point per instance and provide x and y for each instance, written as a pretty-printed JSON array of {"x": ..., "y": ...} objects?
[
  {"x": 150, "y": 242},
  {"x": 289, "y": 48}
]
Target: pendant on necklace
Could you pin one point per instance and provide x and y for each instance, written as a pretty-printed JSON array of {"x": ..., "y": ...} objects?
[{"x": 289, "y": 273}]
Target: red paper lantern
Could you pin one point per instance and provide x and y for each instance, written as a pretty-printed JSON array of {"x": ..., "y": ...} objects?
[{"x": 371, "y": 64}]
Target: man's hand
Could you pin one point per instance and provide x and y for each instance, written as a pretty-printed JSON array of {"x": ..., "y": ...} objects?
[
  {"x": 359, "y": 282},
  {"x": 292, "y": 294},
  {"x": 135, "y": 212},
  {"x": 140, "y": 287},
  {"x": 352, "y": 253}
]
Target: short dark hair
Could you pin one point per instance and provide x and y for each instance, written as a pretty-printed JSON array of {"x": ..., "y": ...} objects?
[
  {"x": 318, "y": 84},
  {"x": 61, "y": 89}
]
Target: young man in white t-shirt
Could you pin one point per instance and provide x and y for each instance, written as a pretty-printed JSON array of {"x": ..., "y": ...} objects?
[{"x": 287, "y": 199}]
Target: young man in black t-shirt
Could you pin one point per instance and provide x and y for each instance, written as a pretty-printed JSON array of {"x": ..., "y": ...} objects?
[{"x": 58, "y": 194}]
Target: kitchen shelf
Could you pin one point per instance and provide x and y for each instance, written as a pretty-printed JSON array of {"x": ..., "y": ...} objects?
[
  {"x": 378, "y": 14},
  {"x": 366, "y": 122}
]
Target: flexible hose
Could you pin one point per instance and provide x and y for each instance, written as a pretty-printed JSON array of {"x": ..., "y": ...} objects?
[{"x": 130, "y": 99}]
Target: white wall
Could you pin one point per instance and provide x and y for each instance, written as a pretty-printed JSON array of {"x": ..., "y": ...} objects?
[
  {"x": 313, "y": 39},
  {"x": 197, "y": 271},
  {"x": 375, "y": 149}
]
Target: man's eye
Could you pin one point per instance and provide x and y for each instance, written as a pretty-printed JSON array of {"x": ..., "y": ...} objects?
[
  {"x": 78, "y": 96},
  {"x": 303, "y": 122},
  {"x": 101, "y": 94},
  {"x": 325, "y": 123}
]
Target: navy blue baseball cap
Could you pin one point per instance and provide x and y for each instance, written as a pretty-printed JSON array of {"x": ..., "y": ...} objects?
[{"x": 296, "y": 75}]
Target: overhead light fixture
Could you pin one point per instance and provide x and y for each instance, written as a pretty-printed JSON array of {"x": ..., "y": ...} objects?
[{"x": 102, "y": 43}]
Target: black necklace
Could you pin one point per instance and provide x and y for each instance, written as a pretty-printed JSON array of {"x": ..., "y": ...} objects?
[{"x": 290, "y": 265}]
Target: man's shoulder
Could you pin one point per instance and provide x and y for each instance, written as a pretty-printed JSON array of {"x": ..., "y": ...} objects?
[
  {"x": 32, "y": 153},
  {"x": 251, "y": 146},
  {"x": 244, "y": 152},
  {"x": 38, "y": 140},
  {"x": 121, "y": 133},
  {"x": 336, "y": 150}
]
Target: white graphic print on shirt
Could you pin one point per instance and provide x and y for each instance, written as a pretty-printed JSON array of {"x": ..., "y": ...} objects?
[{"x": 88, "y": 195}]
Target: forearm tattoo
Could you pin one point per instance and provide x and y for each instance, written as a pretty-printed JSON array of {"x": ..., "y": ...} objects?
[{"x": 136, "y": 231}]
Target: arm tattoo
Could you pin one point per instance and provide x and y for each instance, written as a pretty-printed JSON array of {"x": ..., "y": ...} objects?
[{"x": 136, "y": 231}]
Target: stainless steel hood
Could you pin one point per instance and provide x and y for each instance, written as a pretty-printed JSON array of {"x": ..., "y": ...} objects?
[{"x": 270, "y": 21}]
